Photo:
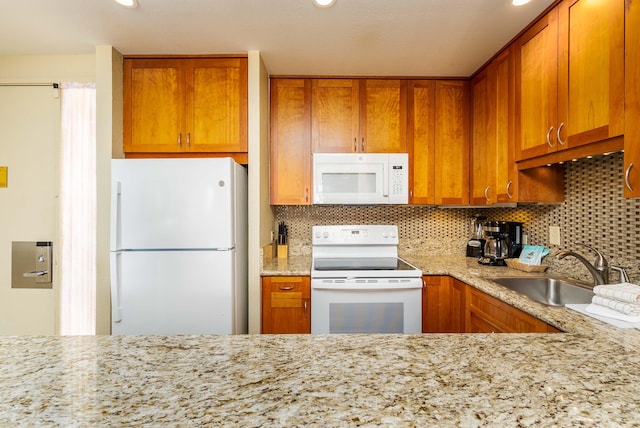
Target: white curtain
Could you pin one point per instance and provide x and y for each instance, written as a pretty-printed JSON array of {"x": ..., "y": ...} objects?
[{"x": 78, "y": 210}]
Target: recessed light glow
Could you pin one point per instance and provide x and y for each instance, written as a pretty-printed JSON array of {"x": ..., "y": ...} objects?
[
  {"x": 519, "y": 2},
  {"x": 128, "y": 3},
  {"x": 324, "y": 3}
]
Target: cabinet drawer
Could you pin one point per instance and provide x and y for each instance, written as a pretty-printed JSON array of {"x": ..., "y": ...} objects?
[{"x": 286, "y": 287}]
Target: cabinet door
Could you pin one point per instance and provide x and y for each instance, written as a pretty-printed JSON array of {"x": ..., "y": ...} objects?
[
  {"x": 536, "y": 88},
  {"x": 452, "y": 142},
  {"x": 421, "y": 140},
  {"x": 383, "y": 116},
  {"x": 502, "y": 89},
  {"x": 154, "y": 99},
  {"x": 290, "y": 142},
  {"x": 216, "y": 105},
  {"x": 286, "y": 305},
  {"x": 632, "y": 93},
  {"x": 590, "y": 71},
  {"x": 483, "y": 159},
  {"x": 442, "y": 305},
  {"x": 335, "y": 115}
]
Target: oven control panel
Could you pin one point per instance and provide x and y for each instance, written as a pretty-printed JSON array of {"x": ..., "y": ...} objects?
[{"x": 355, "y": 235}]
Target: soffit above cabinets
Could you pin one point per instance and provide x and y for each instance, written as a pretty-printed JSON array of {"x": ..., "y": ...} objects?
[{"x": 354, "y": 37}]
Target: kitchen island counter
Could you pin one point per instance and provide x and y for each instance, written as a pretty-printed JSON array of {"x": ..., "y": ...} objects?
[{"x": 319, "y": 380}]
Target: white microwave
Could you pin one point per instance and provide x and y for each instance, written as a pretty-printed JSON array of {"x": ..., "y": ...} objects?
[{"x": 360, "y": 178}]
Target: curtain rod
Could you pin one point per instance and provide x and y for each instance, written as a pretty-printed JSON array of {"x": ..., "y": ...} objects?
[{"x": 53, "y": 85}]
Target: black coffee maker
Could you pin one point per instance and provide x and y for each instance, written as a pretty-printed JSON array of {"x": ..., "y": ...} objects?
[{"x": 514, "y": 239}]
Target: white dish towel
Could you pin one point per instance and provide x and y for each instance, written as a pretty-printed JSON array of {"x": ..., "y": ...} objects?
[
  {"x": 624, "y": 292},
  {"x": 610, "y": 313},
  {"x": 623, "y": 307}
]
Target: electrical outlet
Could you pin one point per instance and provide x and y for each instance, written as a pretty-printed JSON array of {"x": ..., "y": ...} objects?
[{"x": 554, "y": 235}]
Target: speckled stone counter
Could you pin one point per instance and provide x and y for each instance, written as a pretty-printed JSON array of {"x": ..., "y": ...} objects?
[
  {"x": 318, "y": 380},
  {"x": 589, "y": 376}
]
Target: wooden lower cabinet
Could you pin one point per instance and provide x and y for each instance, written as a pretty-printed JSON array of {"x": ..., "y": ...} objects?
[
  {"x": 486, "y": 314},
  {"x": 286, "y": 304},
  {"x": 451, "y": 306},
  {"x": 442, "y": 305}
]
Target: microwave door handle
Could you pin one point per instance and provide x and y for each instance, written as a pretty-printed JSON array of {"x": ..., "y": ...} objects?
[{"x": 385, "y": 181}]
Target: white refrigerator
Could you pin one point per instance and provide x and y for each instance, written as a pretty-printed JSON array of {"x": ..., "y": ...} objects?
[{"x": 178, "y": 246}]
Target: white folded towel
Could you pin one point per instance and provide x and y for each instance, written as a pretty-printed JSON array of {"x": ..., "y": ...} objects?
[
  {"x": 625, "y": 292},
  {"x": 626, "y": 308},
  {"x": 610, "y": 313}
]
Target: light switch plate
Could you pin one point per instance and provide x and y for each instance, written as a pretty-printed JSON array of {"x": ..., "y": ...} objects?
[{"x": 554, "y": 235}]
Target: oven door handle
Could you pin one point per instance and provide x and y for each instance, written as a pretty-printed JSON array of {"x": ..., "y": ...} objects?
[{"x": 367, "y": 286}]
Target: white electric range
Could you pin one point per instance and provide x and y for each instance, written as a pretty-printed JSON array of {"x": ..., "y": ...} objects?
[{"x": 360, "y": 285}]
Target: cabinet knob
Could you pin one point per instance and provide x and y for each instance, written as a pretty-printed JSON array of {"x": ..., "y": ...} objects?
[
  {"x": 626, "y": 177},
  {"x": 549, "y": 137}
]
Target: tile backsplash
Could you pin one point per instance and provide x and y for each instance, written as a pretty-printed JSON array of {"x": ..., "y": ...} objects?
[{"x": 594, "y": 212}]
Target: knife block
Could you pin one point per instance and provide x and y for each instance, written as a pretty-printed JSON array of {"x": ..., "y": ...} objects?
[{"x": 282, "y": 251}]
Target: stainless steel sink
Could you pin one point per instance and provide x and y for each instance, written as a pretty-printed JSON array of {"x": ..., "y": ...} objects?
[{"x": 549, "y": 291}]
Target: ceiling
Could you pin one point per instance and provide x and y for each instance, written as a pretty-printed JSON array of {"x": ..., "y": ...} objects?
[{"x": 354, "y": 37}]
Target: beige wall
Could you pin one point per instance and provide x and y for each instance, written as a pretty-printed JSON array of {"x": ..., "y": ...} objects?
[
  {"x": 109, "y": 144},
  {"x": 260, "y": 212},
  {"x": 30, "y": 148}
]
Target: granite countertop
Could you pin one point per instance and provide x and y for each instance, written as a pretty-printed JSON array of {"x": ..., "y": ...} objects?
[{"x": 587, "y": 377}]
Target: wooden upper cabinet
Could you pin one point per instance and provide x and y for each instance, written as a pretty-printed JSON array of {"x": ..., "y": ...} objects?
[
  {"x": 421, "y": 140},
  {"x": 632, "y": 94},
  {"x": 502, "y": 88},
  {"x": 452, "y": 142},
  {"x": 493, "y": 174},
  {"x": 216, "y": 105},
  {"x": 383, "y": 116},
  {"x": 290, "y": 160},
  {"x": 483, "y": 141},
  {"x": 590, "y": 70},
  {"x": 359, "y": 115},
  {"x": 570, "y": 77},
  {"x": 335, "y": 118},
  {"x": 537, "y": 87},
  {"x": 185, "y": 105},
  {"x": 154, "y": 104}
]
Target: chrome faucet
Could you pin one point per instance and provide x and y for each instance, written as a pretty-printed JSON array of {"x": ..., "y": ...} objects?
[{"x": 599, "y": 270}]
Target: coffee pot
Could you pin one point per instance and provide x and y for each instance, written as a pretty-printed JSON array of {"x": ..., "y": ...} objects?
[
  {"x": 496, "y": 247},
  {"x": 476, "y": 243}
]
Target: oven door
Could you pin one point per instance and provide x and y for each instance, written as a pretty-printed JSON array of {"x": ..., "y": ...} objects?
[{"x": 366, "y": 305}]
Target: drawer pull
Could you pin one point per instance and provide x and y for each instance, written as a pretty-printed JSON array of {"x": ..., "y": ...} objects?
[{"x": 286, "y": 287}]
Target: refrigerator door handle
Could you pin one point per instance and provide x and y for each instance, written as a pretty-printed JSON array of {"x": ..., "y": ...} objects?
[
  {"x": 116, "y": 312},
  {"x": 116, "y": 215}
]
